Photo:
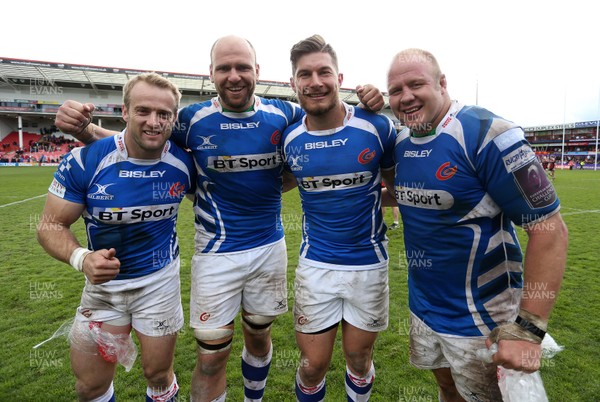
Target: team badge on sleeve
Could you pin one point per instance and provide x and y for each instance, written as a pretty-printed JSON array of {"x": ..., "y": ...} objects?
[
  {"x": 57, "y": 189},
  {"x": 534, "y": 185}
]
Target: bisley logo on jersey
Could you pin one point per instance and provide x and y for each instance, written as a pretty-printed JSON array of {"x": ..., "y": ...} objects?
[
  {"x": 424, "y": 198},
  {"x": 135, "y": 174},
  {"x": 244, "y": 163},
  {"x": 149, "y": 213},
  {"x": 335, "y": 182},
  {"x": 239, "y": 126},
  {"x": 417, "y": 154},
  {"x": 325, "y": 144}
]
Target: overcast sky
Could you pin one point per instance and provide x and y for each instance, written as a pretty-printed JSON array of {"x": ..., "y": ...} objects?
[{"x": 532, "y": 62}]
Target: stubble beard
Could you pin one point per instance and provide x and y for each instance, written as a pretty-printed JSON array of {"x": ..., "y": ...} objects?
[
  {"x": 317, "y": 109},
  {"x": 235, "y": 103}
]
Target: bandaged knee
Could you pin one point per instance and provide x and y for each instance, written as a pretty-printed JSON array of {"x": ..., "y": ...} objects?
[
  {"x": 204, "y": 336},
  {"x": 257, "y": 324}
]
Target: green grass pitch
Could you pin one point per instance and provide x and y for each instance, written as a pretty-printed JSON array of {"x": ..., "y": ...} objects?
[{"x": 38, "y": 294}]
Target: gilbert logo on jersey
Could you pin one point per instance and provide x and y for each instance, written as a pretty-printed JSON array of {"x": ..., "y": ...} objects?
[
  {"x": 206, "y": 142},
  {"x": 101, "y": 192}
]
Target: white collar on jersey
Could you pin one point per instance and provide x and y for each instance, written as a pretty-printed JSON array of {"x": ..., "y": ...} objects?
[
  {"x": 122, "y": 149},
  {"x": 349, "y": 114},
  {"x": 216, "y": 102}
]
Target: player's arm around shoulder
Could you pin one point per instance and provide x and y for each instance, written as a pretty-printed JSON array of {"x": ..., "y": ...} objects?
[
  {"x": 183, "y": 124},
  {"x": 370, "y": 98},
  {"x": 288, "y": 178},
  {"x": 76, "y": 119},
  {"x": 186, "y": 157}
]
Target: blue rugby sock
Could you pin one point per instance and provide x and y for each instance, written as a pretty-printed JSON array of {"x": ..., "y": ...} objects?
[{"x": 255, "y": 371}]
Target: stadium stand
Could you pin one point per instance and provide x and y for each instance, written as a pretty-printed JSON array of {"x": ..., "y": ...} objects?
[
  {"x": 32, "y": 91},
  {"x": 46, "y": 148},
  {"x": 569, "y": 144}
]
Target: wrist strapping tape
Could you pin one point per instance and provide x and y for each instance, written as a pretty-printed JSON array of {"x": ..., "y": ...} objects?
[{"x": 77, "y": 257}]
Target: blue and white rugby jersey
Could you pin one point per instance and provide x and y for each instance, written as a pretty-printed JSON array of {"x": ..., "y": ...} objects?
[
  {"x": 339, "y": 179},
  {"x": 130, "y": 204},
  {"x": 458, "y": 192},
  {"x": 238, "y": 196}
]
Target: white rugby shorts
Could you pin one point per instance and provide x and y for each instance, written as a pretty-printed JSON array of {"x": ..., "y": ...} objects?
[
  {"x": 323, "y": 297},
  {"x": 254, "y": 280},
  {"x": 151, "y": 304},
  {"x": 475, "y": 380}
]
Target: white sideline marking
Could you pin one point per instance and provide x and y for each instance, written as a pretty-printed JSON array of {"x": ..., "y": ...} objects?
[
  {"x": 579, "y": 212},
  {"x": 18, "y": 202}
]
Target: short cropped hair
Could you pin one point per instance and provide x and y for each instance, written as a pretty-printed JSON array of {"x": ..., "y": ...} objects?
[
  {"x": 153, "y": 79},
  {"x": 422, "y": 56},
  {"x": 314, "y": 44}
]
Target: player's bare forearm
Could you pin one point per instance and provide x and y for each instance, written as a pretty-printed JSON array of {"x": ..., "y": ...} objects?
[
  {"x": 388, "y": 198},
  {"x": 93, "y": 133},
  {"x": 289, "y": 181},
  {"x": 545, "y": 260}
]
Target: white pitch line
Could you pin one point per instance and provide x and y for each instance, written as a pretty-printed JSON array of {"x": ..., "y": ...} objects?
[
  {"x": 594, "y": 211},
  {"x": 19, "y": 202}
]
